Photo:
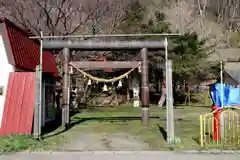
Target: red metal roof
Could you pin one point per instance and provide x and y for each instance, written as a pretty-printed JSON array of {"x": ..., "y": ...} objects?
[
  {"x": 25, "y": 52},
  {"x": 19, "y": 104}
]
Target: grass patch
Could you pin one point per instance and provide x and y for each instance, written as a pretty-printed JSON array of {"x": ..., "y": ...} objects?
[
  {"x": 18, "y": 143},
  {"x": 15, "y": 143},
  {"x": 122, "y": 119}
]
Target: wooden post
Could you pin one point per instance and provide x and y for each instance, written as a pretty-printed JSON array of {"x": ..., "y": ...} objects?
[
  {"x": 170, "y": 113},
  {"x": 65, "y": 105},
  {"x": 36, "y": 124},
  {"x": 145, "y": 88},
  {"x": 43, "y": 103}
]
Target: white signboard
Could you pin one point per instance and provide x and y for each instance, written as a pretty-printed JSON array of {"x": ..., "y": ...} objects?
[{"x": 136, "y": 102}]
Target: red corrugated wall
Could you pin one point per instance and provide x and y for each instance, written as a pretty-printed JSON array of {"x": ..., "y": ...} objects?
[{"x": 19, "y": 104}]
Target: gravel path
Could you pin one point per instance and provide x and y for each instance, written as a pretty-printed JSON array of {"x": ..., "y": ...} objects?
[
  {"x": 109, "y": 146},
  {"x": 118, "y": 156},
  {"x": 104, "y": 142}
]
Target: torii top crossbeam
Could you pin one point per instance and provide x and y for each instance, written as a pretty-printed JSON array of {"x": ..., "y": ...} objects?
[{"x": 96, "y": 45}]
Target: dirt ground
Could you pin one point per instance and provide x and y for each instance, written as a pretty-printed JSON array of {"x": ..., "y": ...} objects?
[
  {"x": 104, "y": 142},
  {"x": 120, "y": 129}
]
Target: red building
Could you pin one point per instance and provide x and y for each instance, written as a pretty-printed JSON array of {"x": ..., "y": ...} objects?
[{"x": 19, "y": 57}]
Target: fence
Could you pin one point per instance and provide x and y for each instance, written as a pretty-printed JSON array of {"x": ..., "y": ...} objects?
[
  {"x": 49, "y": 109},
  {"x": 220, "y": 128},
  {"x": 45, "y": 109}
]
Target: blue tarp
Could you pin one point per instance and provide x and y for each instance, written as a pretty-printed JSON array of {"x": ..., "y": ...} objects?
[{"x": 231, "y": 95}]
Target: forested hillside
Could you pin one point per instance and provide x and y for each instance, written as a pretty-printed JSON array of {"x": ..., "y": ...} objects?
[
  {"x": 209, "y": 28},
  {"x": 216, "y": 20}
]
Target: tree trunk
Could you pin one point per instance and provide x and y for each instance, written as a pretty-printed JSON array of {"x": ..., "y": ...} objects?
[
  {"x": 163, "y": 95},
  {"x": 128, "y": 90},
  {"x": 128, "y": 94}
]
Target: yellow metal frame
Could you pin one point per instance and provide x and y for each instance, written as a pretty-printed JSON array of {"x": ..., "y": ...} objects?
[
  {"x": 207, "y": 98},
  {"x": 188, "y": 97},
  {"x": 231, "y": 126}
]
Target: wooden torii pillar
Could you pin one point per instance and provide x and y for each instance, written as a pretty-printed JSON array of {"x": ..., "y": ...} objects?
[
  {"x": 145, "y": 88},
  {"x": 66, "y": 88}
]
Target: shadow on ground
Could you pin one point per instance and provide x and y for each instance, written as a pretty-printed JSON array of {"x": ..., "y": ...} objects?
[
  {"x": 208, "y": 136},
  {"x": 56, "y": 123},
  {"x": 163, "y": 132},
  {"x": 77, "y": 121}
]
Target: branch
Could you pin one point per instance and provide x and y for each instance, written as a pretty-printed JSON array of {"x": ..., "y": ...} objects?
[
  {"x": 47, "y": 14},
  {"x": 86, "y": 19},
  {"x": 60, "y": 14}
]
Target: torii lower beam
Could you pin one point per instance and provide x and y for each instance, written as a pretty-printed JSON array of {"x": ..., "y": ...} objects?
[{"x": 94, "y": 65}]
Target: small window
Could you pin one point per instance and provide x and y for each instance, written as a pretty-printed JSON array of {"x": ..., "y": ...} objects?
[{"x": 1, "y": 90}]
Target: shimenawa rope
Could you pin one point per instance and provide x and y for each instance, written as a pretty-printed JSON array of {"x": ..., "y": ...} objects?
[{"x": 103, "y": 79}]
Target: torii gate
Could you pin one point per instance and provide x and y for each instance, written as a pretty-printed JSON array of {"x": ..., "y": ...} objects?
[{"x": 95, "y": 45}]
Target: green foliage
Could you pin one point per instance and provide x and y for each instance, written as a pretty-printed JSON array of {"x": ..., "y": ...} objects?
[
  {"x": 234, "y": 39},
  {"x": 156, "y": 25},
  {"x": 187, "y": 54},
  {"x": 134, "y": 16}
]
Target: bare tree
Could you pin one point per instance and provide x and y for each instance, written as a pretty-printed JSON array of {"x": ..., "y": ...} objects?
[
  {"x": 63, "y": 17},
  {"x": 67, "y": 17},
  {"x": 226, "y": 11}
]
